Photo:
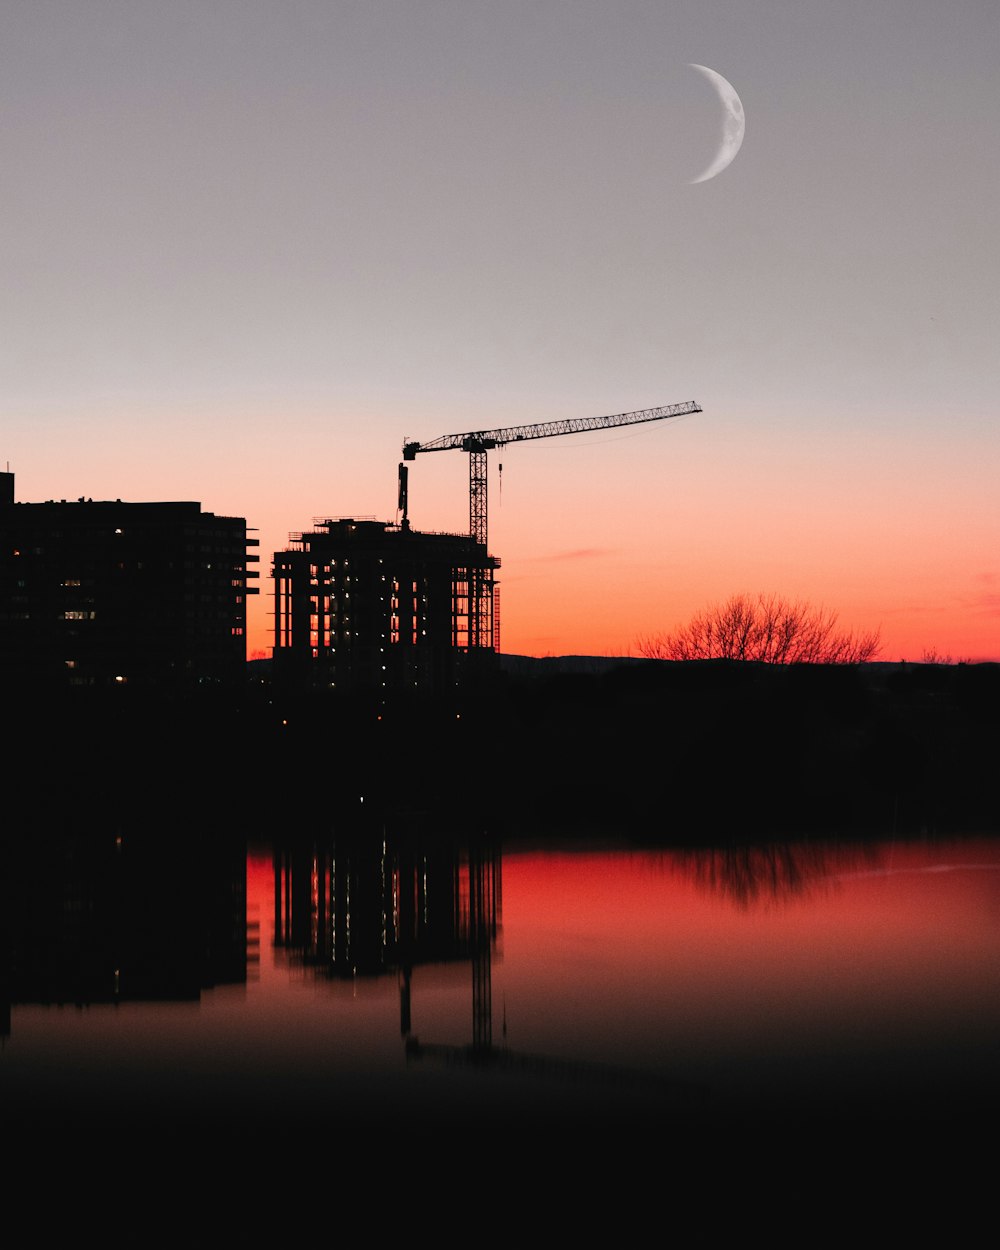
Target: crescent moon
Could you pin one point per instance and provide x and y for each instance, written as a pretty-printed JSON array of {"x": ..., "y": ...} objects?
[{"x": 733, "y": 123}]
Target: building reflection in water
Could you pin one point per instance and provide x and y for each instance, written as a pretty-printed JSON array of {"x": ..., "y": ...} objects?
[
  {"x": 116, "y": 916},
  {"x": 367, "y": 903}
]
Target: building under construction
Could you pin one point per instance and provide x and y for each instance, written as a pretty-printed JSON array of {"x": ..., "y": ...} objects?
[
  {"x": 368, "y": 605},
  {"x": 365, "y": 605}
]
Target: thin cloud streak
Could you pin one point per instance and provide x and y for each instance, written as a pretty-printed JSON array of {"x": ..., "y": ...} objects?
[{"x": 584, "y": 553}]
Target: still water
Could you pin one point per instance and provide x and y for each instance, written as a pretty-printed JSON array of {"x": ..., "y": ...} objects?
[{"x": 445, "y": 980}]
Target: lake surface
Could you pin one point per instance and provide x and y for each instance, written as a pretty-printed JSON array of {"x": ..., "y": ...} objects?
[{"x": 205, "y": 981}]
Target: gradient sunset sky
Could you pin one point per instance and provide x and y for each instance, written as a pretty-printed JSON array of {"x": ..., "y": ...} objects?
[{"x": 249, "y": 246}]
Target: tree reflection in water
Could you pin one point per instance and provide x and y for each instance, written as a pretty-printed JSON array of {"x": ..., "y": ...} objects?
[{"x": 764, "y": 874}]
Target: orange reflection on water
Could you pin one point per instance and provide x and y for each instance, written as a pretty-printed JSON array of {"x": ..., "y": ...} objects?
[{"x": 717, "y": 962}]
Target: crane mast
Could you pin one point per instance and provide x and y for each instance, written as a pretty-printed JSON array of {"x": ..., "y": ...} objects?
[{"x": 477, "y": 443}]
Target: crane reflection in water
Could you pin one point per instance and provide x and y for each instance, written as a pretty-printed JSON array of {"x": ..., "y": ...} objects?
[{"x": 357, "y": 905}]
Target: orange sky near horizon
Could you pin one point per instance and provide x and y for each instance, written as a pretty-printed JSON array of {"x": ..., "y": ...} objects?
[
  {"x": 584, "y": 574},
  {"x": 250, "y": 250}
]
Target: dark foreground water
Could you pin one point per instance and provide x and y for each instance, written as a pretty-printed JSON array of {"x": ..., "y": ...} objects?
[{"x": 393, "y": 985}]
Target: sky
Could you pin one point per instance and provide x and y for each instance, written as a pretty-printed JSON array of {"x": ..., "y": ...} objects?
[{"x": 250, "y": 246}]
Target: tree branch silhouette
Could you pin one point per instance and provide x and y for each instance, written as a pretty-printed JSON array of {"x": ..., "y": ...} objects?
[{"x": 766, "y": 629}]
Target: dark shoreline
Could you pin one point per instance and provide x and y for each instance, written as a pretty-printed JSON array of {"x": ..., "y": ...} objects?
[{"x": 672, "y": 753}]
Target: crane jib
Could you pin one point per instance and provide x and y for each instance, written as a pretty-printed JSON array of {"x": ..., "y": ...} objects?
[{"x": 484, "y": 440}]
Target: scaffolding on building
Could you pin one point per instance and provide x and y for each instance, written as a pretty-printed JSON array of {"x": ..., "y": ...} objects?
[{"x": 365, "y": 604}]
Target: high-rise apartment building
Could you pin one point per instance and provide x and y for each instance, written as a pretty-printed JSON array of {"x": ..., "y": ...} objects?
[{"x": 105, "y": 592}]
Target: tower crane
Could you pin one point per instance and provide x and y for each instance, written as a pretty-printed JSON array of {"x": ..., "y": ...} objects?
[{"x": 477, "y": 443}]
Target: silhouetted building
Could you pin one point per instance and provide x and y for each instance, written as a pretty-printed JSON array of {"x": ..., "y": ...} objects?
[
  {"x": 366, "y": 605},
  {"x": 96, "y": 593}
]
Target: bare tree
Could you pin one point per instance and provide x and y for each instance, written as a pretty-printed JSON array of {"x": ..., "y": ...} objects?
[{"x": 765, "y": 628}]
